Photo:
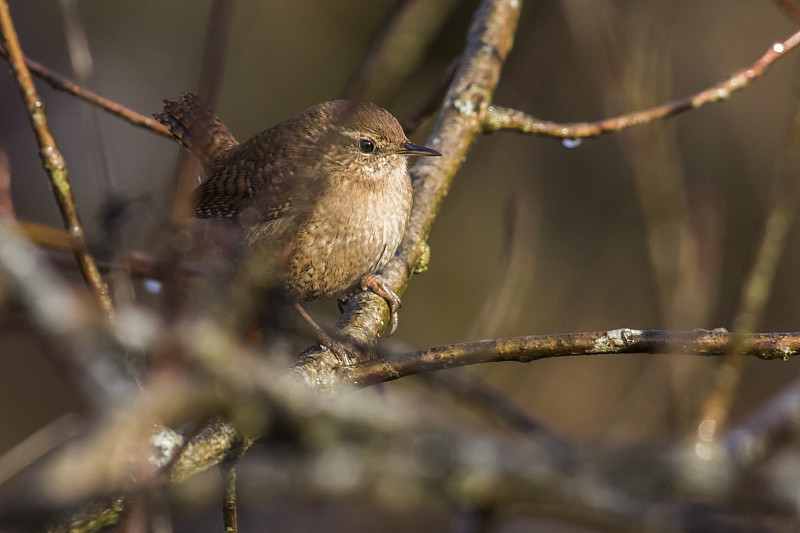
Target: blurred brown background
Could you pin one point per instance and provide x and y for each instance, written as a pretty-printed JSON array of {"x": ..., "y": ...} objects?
[{"x": 655, "y": 227}]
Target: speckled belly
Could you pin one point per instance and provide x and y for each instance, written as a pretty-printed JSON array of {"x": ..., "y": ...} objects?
[{"x": 327, "y": 261}]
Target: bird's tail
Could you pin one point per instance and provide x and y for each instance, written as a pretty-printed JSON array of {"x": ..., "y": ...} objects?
[{"x": 197, "y": 128}]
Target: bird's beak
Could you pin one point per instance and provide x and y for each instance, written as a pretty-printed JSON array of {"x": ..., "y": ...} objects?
[{"x": 415, "y": 149}]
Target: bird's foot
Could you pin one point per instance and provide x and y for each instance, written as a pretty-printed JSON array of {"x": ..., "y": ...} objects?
[{"x": 374, "y": 283}]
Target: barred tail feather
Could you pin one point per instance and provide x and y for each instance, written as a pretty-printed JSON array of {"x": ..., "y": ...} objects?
[{"x": 196, "y": 127}]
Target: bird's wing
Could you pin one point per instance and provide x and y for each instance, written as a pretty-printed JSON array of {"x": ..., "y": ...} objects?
[{"x": 232, "y": 188}]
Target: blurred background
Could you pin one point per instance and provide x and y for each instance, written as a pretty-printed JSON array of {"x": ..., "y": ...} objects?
[{"x": 657, "y": 227}]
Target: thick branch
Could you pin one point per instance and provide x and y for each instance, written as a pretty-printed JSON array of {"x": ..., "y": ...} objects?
[
  {"x": 488, "y": 44},
  {"x": 503, "y": 118}
]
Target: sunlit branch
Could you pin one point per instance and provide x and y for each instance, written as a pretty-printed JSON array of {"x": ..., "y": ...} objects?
[{"x": 503, "y": 118}]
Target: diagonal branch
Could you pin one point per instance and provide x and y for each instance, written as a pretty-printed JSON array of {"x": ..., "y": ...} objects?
[
  {"x": 502, "y": 118},
  {"x": 62, "y": 83},
  {"x": 53, "y": 161}
]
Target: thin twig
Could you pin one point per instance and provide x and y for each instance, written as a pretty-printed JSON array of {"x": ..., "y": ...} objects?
[
  {"x": 397, "y": 47},
  {"x": 80, "y": 55},
  {"x": 53, "y": 161},
  {"x": 428, "y": 105},
  {"x": 515, "y": 270},
  {"x": 62, "y": 83},
  {"x": 534, "y": 347},
  {"x": 502, "y": 118},
  {"x": 6, "y": 202},
  {"x": 229, "y": 509}
]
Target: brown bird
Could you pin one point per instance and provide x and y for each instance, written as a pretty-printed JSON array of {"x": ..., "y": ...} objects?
[{"x": 331, "y": 182}]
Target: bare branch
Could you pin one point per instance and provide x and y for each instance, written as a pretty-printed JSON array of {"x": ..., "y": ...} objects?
[
  {"x": 534, "y": 347},
  {"x": 229, "y": 507},
  {"x": 502, "y": 118},
  {"x": 62, "y": 83},
  {"x": 219, "y": 378},
  {"x": 53, "y": 162}
]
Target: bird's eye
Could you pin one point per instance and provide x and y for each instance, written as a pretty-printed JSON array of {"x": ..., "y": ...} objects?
[{"x": 366, "y": 146}]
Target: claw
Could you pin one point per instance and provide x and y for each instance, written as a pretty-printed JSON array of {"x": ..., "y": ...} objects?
[{"x": 372, "y": 281}]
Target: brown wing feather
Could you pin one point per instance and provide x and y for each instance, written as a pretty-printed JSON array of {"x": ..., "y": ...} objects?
[
  {"x": 232, "y": 188},
  {"x": 258, "y": 173}
]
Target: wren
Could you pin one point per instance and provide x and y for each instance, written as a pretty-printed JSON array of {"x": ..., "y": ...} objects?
[{"x": 332, "y": 183}]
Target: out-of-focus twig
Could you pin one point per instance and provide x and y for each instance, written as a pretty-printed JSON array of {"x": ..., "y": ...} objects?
[
  {"x": 772, "y": 426},
  {"x": 6, "y": 202},
  {"x": 791, "y": 7},
  {"x": 211, "y": 67},
  {"x": 53, "y": 161},
  {"x": 431, "y": 102},
  {"x": 471, "y": 392},
  {"x": 503, "y": 118},
  {"x": 38, "y": 444},
  {"x": 396, "y": 48},
  {"x": 80, "y": 56},
  {"x": 755, "y": 293},
  {"x": 634, "y": 69},
  {"x": 46, "y": 237},
  {"x": 515, "y": 270},
  {"x": 62, "y": 314},
  {"x": 169, "y": 456}
]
